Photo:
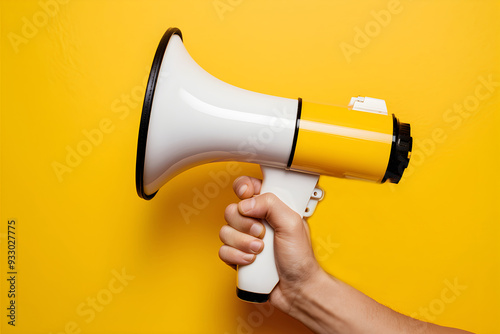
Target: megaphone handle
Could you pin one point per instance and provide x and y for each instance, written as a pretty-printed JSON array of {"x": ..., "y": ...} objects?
[{"x": 257, "y": 280}]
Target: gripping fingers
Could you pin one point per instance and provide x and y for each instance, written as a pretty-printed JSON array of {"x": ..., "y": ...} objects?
[
  {"x": 243, "y": 224},
  {"x": 241, "y": 241},
  {"x": 246, "y": 187},
  {"x": 233, "y": 256}
]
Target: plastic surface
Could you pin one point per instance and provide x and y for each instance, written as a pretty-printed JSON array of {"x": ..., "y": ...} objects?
[
  {"x": 337, "y": 141},
  {"x": 80, "y": 223},
  {"x": 368, "y": 104},
  {"x": 295, "y": 190},
  {"x": 316, "y": 196},
  {"x": 146, "y": 112},
  {"x": 197, "y": 118}
]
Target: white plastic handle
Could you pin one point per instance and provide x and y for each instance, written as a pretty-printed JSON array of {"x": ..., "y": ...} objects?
[{"x": 257, "y": 280}]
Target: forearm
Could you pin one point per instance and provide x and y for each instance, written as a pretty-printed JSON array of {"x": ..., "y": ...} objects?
[{"x": 328, "y": 305}]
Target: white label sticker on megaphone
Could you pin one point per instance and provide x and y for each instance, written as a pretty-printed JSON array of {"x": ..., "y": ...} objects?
[{"x": 190, "y": 118}]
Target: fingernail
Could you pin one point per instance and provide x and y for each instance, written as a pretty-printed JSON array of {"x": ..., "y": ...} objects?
[
  {"x": 256, "y": 246},
  {"x": 256, "y": 230},
  {"x": 242, "y": 190},
  {"x": 248, "y": 257},
  {"x": 247, "y": 204}
]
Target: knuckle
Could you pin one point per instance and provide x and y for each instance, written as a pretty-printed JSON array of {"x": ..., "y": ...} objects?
[
  {"x": 270, "y": 199},
  {"x": 296, "y": 220},
  {"x": 240, "y": 180}
]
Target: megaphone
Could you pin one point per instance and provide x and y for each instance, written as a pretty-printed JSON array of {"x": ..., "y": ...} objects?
[{"x": 190, "y": 118}]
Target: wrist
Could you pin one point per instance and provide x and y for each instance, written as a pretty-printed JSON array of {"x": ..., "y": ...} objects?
[
  {"x": 319, "y": 281},
  {"x": 312, "y": 304},
  {"x": 328, "y": 305}
]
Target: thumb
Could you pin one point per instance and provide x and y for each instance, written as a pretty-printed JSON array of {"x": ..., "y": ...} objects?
[
  {"x": 268, "y": 206},
  {"x": 294, "y": 255}
]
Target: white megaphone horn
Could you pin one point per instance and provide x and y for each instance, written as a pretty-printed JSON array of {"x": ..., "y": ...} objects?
[{"x": 190, "y": 118}]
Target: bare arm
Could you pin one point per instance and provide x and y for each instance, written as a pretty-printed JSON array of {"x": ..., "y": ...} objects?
[
  {"x": 328, "y": 305},
  {"x": 305, "y": 291}
]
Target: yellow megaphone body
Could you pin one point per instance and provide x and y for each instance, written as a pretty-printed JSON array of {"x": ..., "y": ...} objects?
[{"x": 190, "y": 118}]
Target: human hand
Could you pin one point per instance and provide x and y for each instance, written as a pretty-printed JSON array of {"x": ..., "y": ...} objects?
[
  {"x": 296, "y": 265},
  {"x": 306, "y": 292}
]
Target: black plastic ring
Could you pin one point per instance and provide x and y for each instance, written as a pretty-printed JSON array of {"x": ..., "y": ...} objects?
[
  {"x": 252, "y": 297},
  {"x": 400, "y": 151},
  {"x": 146, "y": 111},
  {"x": 295, "y": 135}
]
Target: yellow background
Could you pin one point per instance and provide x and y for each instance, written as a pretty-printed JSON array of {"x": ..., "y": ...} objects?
[{"x": 85, "y": 67}]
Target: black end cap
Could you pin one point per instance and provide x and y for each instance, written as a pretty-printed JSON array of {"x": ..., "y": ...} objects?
[
  {"x": 400, "y": 151},
  {"x": 252, "y": 297}
]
